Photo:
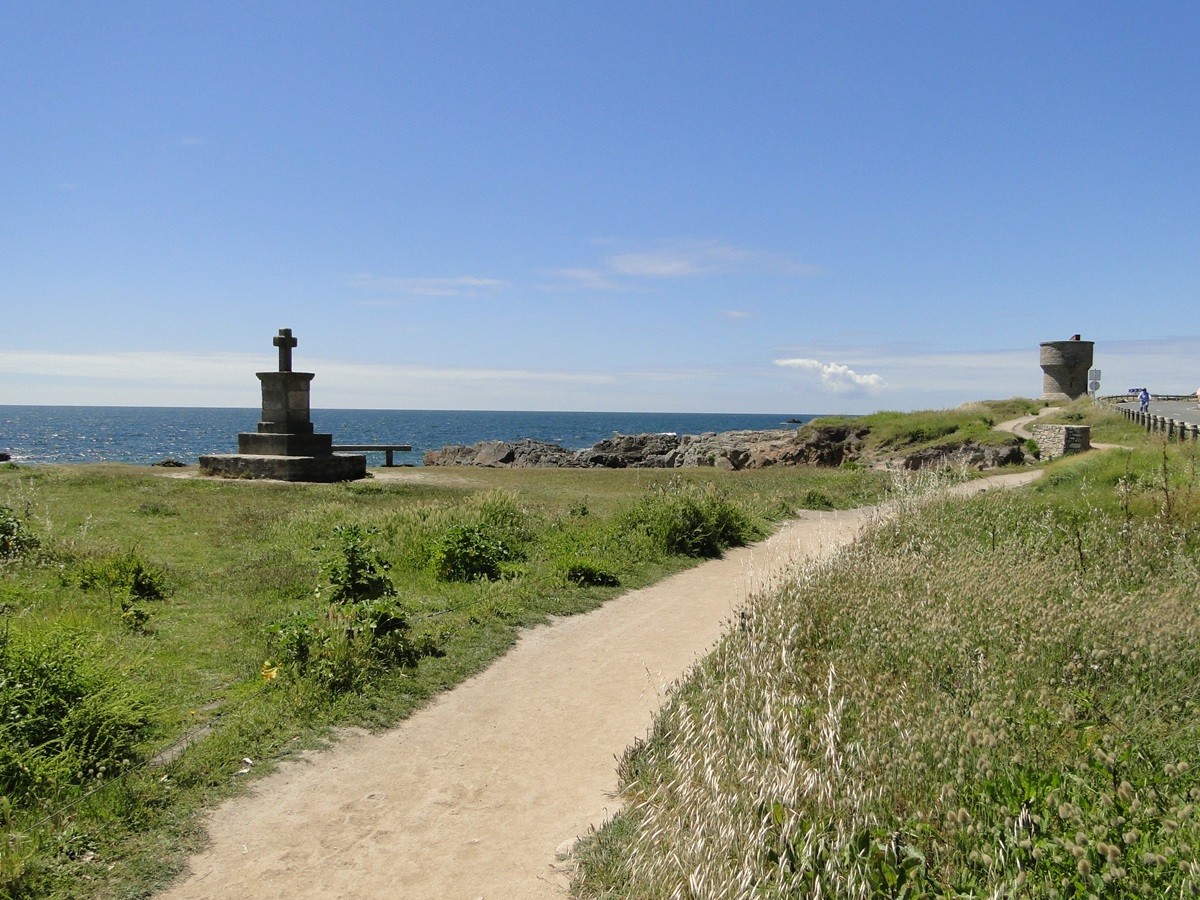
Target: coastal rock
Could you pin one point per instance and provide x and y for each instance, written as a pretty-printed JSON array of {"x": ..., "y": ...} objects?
[
  {"x": 967, "y": 455},
  {"x": 729, "y": 450},
  {"x": 169, "y": 463},
  {"x": 647, "y": 451},
  {"x": 523, "y": 454},
  {"x": 4, "y": 457},
  {"x": 821, "y": 445}
]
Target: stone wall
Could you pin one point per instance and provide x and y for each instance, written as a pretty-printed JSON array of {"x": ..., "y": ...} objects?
[{"x": 1059, "y": 440}]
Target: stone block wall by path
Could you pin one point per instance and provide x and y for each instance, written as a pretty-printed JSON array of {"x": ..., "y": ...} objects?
[{"x": 1059, "y": 440}]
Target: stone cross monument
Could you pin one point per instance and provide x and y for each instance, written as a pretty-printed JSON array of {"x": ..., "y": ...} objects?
[
  {"x": 285, "y": 342},
  {"x": 285, "y": 429},
  {"x": 285, "y": 445}
]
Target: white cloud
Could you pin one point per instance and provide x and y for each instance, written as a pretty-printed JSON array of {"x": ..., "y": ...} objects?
[
  {"x": 684, "y": 260},
  {"x": 920, "y": 378},
  {"x": 168, "y": 368},
  {"x": 161, "y": 378},
  {"x": 736, "y": 314},
  {"x": 656, "y": 265},
  {"x": 627, "y": 270},
  {"x": 462, "y": 286},
  {"x": 584, "y": 279},
  {"x": 834, "y": 376}
]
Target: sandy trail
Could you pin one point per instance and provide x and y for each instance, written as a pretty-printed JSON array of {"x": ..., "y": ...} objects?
[{"x": 474, "y": 795}]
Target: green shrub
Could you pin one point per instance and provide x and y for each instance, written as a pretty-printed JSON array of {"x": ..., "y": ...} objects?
[
  {"x": 470, "y": 552},
  {"x": 814, "y": 499},
  {"x": 351, "y": 643},
  {"x": 15, "y": 538},
  {"x": 587, "y": 574},
  {"x": 127, "y": 576},
  {"x": 65, "y": 718},
  {"x": 357, "y": 572},
  {"x": 363, "y": 632},
  {"x": 688, "y": 521}
]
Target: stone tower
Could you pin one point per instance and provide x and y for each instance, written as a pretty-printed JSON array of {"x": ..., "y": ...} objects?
[{"x": 1065, "y": 366}]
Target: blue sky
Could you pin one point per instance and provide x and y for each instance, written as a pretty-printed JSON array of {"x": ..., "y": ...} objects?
[{"x": 719, "y": 207}]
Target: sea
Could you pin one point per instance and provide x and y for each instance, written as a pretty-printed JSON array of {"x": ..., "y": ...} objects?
[{"x": 143, "y": 435}]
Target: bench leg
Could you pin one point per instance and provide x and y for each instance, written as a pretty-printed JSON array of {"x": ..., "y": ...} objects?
[{"x": 387, "y": 457}]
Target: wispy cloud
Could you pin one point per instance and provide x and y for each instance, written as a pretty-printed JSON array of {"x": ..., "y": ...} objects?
[
  {"x": 834, "y": 376},
  {"x": 634, "y": 268},
  {"x": 190, "y": 141},
  {"x": 461, "y": 286},
  {"x": 625, "y": 271},
  {"x": 681, "y": 261},
  {"x": 161, "y": 378},
  {"x": 584, "y": 280},
  {"x": 736, "y": 314}
]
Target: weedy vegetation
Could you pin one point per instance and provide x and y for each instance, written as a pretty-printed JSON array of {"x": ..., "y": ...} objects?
[
  {"x": 893, "y": 431},
  {"x": 986, "y": 697},
  {"x": 159, "y": 631}
]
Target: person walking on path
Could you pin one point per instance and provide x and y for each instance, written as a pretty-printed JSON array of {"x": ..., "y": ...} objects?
[{"x": 1144, "y": 400}]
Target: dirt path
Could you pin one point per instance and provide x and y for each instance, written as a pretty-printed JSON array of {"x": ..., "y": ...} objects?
[{"x": 473, "y": 796}]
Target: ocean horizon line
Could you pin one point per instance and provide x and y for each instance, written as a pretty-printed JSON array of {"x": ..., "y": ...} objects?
[
  {"x": 41, "y": 433},
  {"x": 424, "y": 409}
]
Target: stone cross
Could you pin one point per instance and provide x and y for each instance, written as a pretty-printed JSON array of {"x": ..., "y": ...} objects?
[{"x": 285, "y": 342}]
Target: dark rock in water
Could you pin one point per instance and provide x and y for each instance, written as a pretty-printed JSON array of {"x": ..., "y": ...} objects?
[
  {"x": 4, "y": 457},
  {"x": 169, "y": 463}
]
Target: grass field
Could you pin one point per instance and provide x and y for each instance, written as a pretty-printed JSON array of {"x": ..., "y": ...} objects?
[{"x": 159, "y": 631}]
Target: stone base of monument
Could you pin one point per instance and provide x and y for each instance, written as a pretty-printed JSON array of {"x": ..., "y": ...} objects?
[{"x": 333, "y": 467}]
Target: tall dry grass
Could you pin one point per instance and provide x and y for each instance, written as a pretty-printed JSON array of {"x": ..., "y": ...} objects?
[{"x": 984, "y": 698}]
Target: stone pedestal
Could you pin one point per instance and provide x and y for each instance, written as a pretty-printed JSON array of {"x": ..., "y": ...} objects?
[
  {"x": 285, "y": 446},
  {"x": 285, "y": 429}
]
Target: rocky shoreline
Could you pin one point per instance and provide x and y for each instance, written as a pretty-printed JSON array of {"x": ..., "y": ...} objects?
[{"x": 830, "y": 445}]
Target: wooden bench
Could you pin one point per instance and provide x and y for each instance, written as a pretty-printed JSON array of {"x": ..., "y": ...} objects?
[{"x": 386, "y": 449}]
